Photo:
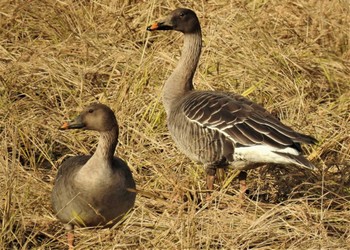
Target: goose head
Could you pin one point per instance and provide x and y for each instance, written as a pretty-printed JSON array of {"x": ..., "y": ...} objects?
[
  {"x": 96, "y": 117},
  {"x": 183, "y": 20}
]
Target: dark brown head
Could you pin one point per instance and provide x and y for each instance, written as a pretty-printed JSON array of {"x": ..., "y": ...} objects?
[
  {"x": 96, "y": 116},
  {"x": 183, "y": 20}
]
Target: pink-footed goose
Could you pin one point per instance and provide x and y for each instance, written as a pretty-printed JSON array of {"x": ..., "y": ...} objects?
[
  {"x": 220, "y": 128},
  {"x": 98, "y": 189}
]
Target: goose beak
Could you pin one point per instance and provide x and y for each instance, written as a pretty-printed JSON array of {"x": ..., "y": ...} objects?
[
  {"x": 76, "y": 123},
  {"x": 162, "y": 25},
  {"x": 152, "y": 27},
  {"x": 64, "y": 126}
]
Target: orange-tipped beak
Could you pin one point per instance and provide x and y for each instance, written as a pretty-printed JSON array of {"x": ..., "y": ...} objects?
[
  {"x": 65, "y": 125},
  {"x": 152, "y": 27},
  {"x": 74, "y": 124}
]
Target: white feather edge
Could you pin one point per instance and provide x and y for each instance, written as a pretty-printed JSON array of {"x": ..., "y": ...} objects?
[{"x": 258, "y": 153}]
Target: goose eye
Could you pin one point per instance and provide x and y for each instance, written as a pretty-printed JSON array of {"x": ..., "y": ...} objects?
[
  {"x": 182, "y": 14},
  {"x": 91, "y": 110}
]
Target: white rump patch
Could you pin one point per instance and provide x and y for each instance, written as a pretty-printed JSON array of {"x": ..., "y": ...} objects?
[{"x": 264, "y": 154}]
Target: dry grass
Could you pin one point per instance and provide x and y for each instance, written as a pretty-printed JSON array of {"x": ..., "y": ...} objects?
[{"x": 291, "y": 56}]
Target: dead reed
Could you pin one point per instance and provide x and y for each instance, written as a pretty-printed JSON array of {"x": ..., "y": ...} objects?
[{"x": 291, "y": 56}]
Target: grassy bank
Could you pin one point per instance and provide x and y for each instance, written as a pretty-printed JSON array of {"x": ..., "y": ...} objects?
[{"x": 291, "y": 56}]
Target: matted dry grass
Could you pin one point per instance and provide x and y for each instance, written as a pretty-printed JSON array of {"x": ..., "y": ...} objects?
[{"x": 291, "y": 56}]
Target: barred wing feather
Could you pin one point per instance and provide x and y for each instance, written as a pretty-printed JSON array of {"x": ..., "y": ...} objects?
[{"x": 242, "y": 121}]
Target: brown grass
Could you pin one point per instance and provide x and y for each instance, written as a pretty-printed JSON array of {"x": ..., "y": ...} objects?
[{"x": 291, "y": 56}]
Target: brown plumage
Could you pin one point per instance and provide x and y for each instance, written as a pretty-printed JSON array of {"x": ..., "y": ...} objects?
[
  {"x": 221, "y": 128},
  {"x": 93, "y": 190}
]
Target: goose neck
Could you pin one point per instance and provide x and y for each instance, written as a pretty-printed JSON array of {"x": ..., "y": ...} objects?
[
  {"x": 181, "y": 80},
  {"x": 99, "y": 167},
  {"x": 106, "y": 144}
]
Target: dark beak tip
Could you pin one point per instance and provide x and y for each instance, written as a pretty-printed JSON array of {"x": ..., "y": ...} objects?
[{"x": 154, "y": 26}]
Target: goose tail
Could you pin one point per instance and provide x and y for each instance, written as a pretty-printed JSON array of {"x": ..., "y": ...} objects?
[{"x": 298, "y": 160}]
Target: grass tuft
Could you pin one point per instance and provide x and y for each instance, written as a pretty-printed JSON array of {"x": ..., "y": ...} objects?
[{"x": 291, "y": 56}]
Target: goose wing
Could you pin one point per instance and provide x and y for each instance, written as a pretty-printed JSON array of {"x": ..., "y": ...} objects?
[{"x": 240, "y": 120}]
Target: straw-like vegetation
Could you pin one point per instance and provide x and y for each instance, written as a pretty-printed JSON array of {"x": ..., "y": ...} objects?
[{"x": 291, "y": 56}]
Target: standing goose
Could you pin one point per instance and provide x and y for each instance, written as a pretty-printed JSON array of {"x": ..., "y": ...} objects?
[
  {"x": 93, "y": 190},
  {"x": 220, "y": 128}
]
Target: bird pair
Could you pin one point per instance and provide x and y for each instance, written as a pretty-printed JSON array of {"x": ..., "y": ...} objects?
[{"x": 215, "y": 128}]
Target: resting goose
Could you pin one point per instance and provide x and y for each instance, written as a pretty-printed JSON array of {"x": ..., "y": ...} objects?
[
  {"x": 93, "y": 190},
  {"x": 220, "y": 128}
]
